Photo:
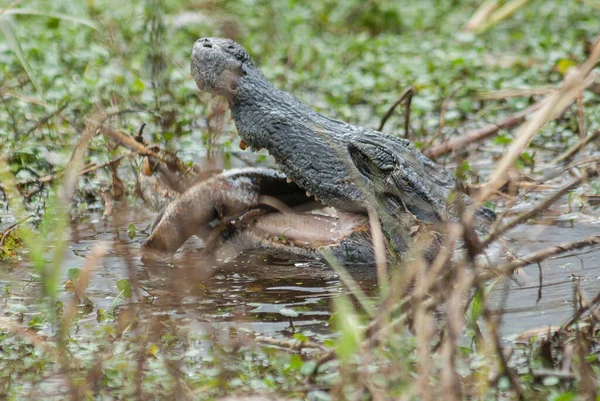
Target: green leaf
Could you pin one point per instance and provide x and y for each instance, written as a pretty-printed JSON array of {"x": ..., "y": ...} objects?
[
  {"x": 296, "y": 362},
  {"x": 564, "y": 397},
  {"x": 300, "y": 337},
  {"x": 551, "y": 381},
  {"x": 15, "y": 45},
  {"x": 347, "y": 323},
  {"x": 37, "y": 323},
  {"x": 18, "y": 308},
  {"x": 125, "y": 287},
  {"x": 502, "y": 139},
  {"x": 137, "y": 86},
  {"x": 475, "y": 309},
  {"x": 308, "y": 367},
  {"x": 131, "y": 231},
  {"x": 73, "y": 273},
  {"x": 288, "y": 312},
  {"x": 563, "y": 65}
]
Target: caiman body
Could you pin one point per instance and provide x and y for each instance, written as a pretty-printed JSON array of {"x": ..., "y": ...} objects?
[{"x": 352, "y": 171}]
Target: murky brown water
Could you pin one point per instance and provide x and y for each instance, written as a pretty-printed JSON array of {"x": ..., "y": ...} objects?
[{"x": 250, "y": 291}]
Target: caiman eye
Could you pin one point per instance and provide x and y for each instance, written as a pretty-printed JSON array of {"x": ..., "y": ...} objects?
[{"x": 376, "y": 165}]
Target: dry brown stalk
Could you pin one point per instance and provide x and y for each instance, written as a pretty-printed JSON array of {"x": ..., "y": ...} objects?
[
  {"x": 585, "y": 302},
  {"x": 424, "y": 332},
  {"x": 507, "y": 93},
  {"x": 535, "y": 257},
  {"x": 580, "y": 312},
  {"x": 38, "y": 341},
  {"x": 578, "y": 147},
  {"x": 442, "y": 123},
  {"x": 122, "y": 138},
  {"x": 546, "y": 109},
  {"x": 455, "y": 318},
  {"x": 379, "y": 249},
  {"x": 480, "y": 134},
  {"x": 92, "y": 261},
  {"x": 481, "y": 14},
  {"x": 407, "y": 95},
  {"x": 543, "y": 205},
  {"x": 529, "y": 186},
  {"x": 47, "y": 118},
  {"x": 587, "y": 383},
  {"x": 293, "y": 345},
  {"x": 575, "y": 81}
]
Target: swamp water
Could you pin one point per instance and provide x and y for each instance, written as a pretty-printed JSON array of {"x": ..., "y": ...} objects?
[{"x": 257, "y": 292}]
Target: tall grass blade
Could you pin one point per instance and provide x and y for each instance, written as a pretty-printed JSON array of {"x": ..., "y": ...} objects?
[
  {"x": 64, "y": 17},
  {"x": 7, "y": 28}
]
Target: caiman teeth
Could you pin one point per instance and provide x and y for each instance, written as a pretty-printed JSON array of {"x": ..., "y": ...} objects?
[
  {"x": 288, "y": 180},
  {"x": 308, "y": 194},
  {"x": 317, "y": 198}
]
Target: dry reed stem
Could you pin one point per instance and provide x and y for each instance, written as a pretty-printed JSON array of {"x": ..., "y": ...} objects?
[
  {"x": 535, "y": 257},
  {"x": 495, "y": 15},
  {"x": 578, "y": 147},
  {"x": 502, "y": 228},
  {"x": 92, "y": 261},
  {"x": 480, "y": 134},
  {"x": 481, "y": 14},
  {"x": 351, "y": 284},
  {"x": 587, "y": 383},
  {"x": 379, "y": 249},
  {"x": 407, "y": 95},
  {"x": 294, "y": 345},
  {"x": 38, "y": 341},
  {"x": 575, "y": 81},
  {"x": 455, "y": 317},
  {"x": 508, "y": 93},
  {"x": 578, "y": 313},
  {"x": 424, "y": 332},
  {"x": 123, "y": 139}
]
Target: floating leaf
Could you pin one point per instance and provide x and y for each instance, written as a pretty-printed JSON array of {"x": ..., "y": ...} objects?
[
  {"x": 37, "y": 323},
  {"x": 563, "y": 65},
  {"x": 152, "y": 351},
  {"x": 131, "y": 231},
  {"x": 288, "y": 312},
  {"x": 73, "y": 273},
  {"x": 125, "y": 287},
  {"x": 551, "y": 381}
]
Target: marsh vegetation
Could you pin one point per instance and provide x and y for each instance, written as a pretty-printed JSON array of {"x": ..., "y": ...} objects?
[{"x": 503, "y": 93}]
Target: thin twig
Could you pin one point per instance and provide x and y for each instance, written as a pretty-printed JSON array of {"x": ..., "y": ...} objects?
[
  {"x": 543, "y": 205},
  {"x": 578, "y": 147},
  {"x": 535, "y": 257},
  {"x": 406, "y": 94},
  {"x": 480, "y": 134},
  {"x": 47, "y": 118}
]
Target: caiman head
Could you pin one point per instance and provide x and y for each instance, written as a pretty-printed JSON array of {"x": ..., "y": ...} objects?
[
  {"x": 353, "y": 169},
  {"x": 217, "y": 65}
]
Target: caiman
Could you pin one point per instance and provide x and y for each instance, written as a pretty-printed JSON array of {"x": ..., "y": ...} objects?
[{"x": 349, "y": 171}]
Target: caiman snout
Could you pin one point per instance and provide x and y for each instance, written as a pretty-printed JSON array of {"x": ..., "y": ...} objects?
[{"x": 205, "y": 42}]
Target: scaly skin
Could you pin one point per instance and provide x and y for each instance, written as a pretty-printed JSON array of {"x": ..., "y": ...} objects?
[
  {"x": 352, "y": 169},
  {"x": 347, "y": 167}
]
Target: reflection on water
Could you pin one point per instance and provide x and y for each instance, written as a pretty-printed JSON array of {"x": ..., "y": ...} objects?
[
  {"x": 251, "y": 290},
  {"x": 529, "y": 305}
]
